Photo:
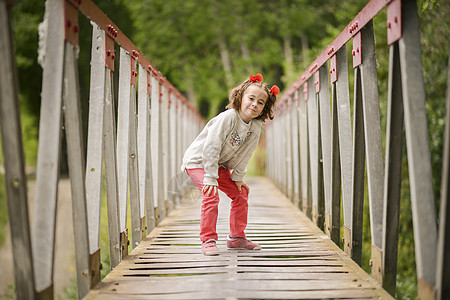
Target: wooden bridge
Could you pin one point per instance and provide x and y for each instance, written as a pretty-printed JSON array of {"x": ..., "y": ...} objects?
[
  {"x": 297, "y": 260},
  {"x": 316, "y": 155}
]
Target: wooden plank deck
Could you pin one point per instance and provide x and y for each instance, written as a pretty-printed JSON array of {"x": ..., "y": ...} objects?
[{"x": 297, "y": 260}]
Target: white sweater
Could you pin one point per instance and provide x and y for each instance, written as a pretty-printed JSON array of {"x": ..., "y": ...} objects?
[{"x": 225, "y": 141}]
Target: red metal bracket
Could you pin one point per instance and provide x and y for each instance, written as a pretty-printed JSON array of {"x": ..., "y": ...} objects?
[
  {"x": 169, "y": 100},
  {"x": 394, "y": 21},
  {"x": 305, "y": 91},
  {"x": 330, "y": 50},
  {"x": 153, "y": 72},
  {"x": 134, "y": 73},
  {"x": 354, "y": 27},
  {"x": 133, "y": 80},
  {"x": 160, "y": 92},
  {"x": 109, "y": 53},
  {"x": 314, "y": 66},
  {"x": 172, "y": 92},
  {"x": 71, "y": 27},
  {"x": 149, "y": 84},
  {"x": 156, "y": 74},
  {"x": 317, "y": 81},
  {"x": 296, "y": 97},
  {"x": 177, "y": 98},
  {"x": 111, "y": 31},
  {"x": 333, "y": 67},
  {"x": 357, "y": 50}
]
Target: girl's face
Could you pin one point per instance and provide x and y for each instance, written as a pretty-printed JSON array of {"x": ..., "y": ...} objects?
[{"x": 252, "y": 103}]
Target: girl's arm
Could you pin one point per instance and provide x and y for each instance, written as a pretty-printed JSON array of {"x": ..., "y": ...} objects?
[{"x": 217, "y": 133}]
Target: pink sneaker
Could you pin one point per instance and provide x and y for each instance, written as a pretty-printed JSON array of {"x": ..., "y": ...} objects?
[
  {"x": 241, "y": 243},
  {"x": 209, "y": 247}
]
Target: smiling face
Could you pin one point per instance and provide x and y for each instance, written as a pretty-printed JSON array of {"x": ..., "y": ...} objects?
[{"x": 252, "y": 103}]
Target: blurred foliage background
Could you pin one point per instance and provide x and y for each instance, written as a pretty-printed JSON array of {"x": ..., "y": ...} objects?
[{"x": 205, "y": 47}]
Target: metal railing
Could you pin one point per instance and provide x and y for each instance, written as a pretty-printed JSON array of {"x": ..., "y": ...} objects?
[
  {"x": 315, "y": 154},
  {"x": 141, "y": 150}
]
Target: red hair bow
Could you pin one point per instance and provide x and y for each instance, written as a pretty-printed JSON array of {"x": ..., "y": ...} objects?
[
  {"x": 258, "y": 77},
  {"x": 275, "y": 90}
]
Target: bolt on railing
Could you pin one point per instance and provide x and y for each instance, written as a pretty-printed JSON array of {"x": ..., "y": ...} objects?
[
  {"x": 141, "y": 150},
  {"x": 315, "y": 154}
]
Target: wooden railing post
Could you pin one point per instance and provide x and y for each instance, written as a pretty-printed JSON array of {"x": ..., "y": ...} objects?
[
  {"x": 276, "y": 144},
  {"x": 110, "y": 156},
  {"x": 165, "y": 146},
  {"x": 374, "y": 148},
  {"x": 156, "y": 150},
  {"x": 15, "y": 179},
  {"x": 443, "y": 252},
  {"x": 181, "y": 149},
  {"x": 280, "y": 165},
  {"x": 419, "y": 160},
  {"x": 94, "y": 157},
  {"x": 144, "y": 150},
  {"x": 318, "y": 209},
  {"x": 406, "y": 71},
  {"x": 320, "y": 212},
  {"x": 123, "y": 143},
  {"x": 288, "y": 148},
  {"x": 325, "y": 130},
  {"x": 345, "y": 140},
  {"x": 335, "y": 189},
  {"x": 47, "y": 173},
  {"x": 313, "y": 138},
  {"x": 354, "y": 243},
  {"x": 295, "y": 149},
  {"x": 183, "y": 141},
  {"x": 173, "y": 162},
  {"x": 393, "y": 172},
  {"x": 179, "y": 105},
  {"x": 393, "y": 154},
  {"x": 281, "y": 159},
  {"x": 60, "y": 83},
  {"x": 136, "y": 218},
  {"x": 304, "y": 152},
  {"x": 77, "y": 168}
]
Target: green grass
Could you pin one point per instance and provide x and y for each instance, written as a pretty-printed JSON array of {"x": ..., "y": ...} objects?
[
  {"x": 256, "y": 166},
  {"x": 9, "y": 294}
]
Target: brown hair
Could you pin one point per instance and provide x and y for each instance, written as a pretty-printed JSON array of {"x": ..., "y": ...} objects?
[{"x": 235, "y": 99}]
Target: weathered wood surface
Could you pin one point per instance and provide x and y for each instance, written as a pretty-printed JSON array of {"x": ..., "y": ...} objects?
[{"x": 297, "y": 260}]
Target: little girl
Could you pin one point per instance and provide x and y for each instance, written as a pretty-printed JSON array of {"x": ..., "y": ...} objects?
[{"x": 218, "y": 158}]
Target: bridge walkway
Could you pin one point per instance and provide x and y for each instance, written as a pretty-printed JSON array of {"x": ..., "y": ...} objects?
[{"x": 297, "y": 260}]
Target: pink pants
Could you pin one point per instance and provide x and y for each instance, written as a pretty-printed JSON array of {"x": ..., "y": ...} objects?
[{"x": 239, "y": 205}]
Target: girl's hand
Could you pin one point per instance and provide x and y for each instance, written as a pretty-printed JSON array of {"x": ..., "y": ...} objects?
[
  {"x": 209, "y": 189},
  {"x": 241, "y": 184}
]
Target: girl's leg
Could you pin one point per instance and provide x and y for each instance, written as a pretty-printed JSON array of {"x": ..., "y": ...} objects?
[
  {"x": 208, "y": 219},
  {"x": 239, "y": 203}
]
